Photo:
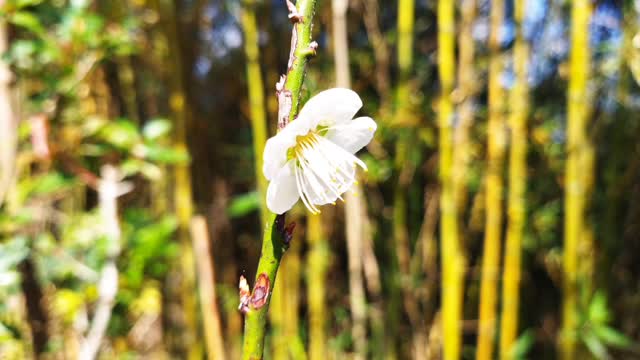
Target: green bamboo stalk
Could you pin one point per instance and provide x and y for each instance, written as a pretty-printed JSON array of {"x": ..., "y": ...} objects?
[
  {"x": 496, "y": 137},
  {"x": 452, "y": 257},
  {"x": 272, "y": 242},
  {"x": 517, "y": 191},
  {"x": 256, "y": 96},
  {"x": 578, "y": 172}
]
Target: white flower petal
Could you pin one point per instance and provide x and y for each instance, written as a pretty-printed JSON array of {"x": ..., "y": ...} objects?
[
  {"x": 330, "y": 107},
  {"x": 275, "y": 150},
  {"x": 353, "y": 135},
  {"x": 282, "y": 193}
]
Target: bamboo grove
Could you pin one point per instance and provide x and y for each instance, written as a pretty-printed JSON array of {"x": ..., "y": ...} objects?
[{"x": 497, "y": 218}]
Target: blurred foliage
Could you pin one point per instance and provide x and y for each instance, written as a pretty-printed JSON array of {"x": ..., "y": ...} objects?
[{"x": 92, "y": 84}]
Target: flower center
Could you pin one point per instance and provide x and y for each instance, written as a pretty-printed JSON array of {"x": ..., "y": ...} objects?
[{"x": 323, "y": 170}]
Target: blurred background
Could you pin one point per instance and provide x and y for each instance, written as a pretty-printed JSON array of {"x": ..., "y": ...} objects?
[{"x": 499, "y": 216}]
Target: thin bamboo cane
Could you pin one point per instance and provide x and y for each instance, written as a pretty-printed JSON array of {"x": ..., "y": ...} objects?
[
  {"x": 517, "y": 191},
  {"x": 452, "y": 257},
  {"x": 355, "y": 211},
  {"x": 207, "y": 290},
  {"x": 256, "y": 96},
  {"x": 496, "y": 138},
  {"x": 578, "y": 172},
  {"x": 182, "y": 192}
]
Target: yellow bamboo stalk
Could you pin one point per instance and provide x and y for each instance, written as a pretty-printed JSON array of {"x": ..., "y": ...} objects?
[
  {"x": 452, "y": 257},
  {"x": 256, "y": 96},
  {"x": 318, "y": 260},
  {"x": 519, "y": 100},
  {"x": 355, "y": 211},
  {"x": 496, "y": 137},
  {"x": 406, "y": 9},
  {"x": 285, "y": 302},
  {"x": 207, "y": 290},
  {"x": 578, "y": 171},
  {"x": 466, "y": 92},
  {"x": 182, "y": 191}
]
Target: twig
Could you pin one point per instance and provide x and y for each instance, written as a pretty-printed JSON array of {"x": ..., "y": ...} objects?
[{"x": 276, "y": 235}]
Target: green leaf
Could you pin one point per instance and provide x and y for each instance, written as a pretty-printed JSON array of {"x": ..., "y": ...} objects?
[
  {"x": 613, "y": 337},
  {"x": 13, "y": 252},
  {"x": 27, "y": 20},
  {"x": 156, "y": 128},
  {"x": 522, "y": 345},
  {"x": 595, "y": 346},
  {"x": 244, "y": 204},
  {"x": 122, "y": 134},
  {"x": 165, "y": 154},
  {"x": 598, "y": 311},
  {"x": 24, "y": 3}
]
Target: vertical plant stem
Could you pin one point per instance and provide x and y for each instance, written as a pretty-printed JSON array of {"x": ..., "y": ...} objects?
[
  {"x": 255, "y": 325},
  {"x": 402, "y": 120},
  {"x": 283, "y": 316},
  {"x": 256, "y": 96},
  {"x": 318, "y": 259},
  {"x": 452, "y": 258},
  {"x": 466, "y": 112},
  {"x": 406, "y": 9},
  {"x": 517, "y": 191},
  {"x": 380, "y": 51},
  {"x": 496, "y": 137},
  {"x": 355, "y": 211},
  {"x": 578, "y": 173},
  {"x": 182, "y": 191},
  {"x": 272, "y": 243},
  {"x": 207, "y": 290}
]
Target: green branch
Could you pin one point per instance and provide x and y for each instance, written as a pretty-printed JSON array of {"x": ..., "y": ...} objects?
[{"x": 276, "y": 236}]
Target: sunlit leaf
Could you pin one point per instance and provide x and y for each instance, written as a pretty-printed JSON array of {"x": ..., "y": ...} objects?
[
  {"x": 523, "y": 345},
  {"x": 595, "y": 346},
  {"x": 165, "y": 154},
  {"x": 244, "y": 204},
  {"x": 27, "y": 20},
  {"x": 156, "y": 128},
  {"x": 122, "y": 134},
  {"x": 612, "y": 337}
]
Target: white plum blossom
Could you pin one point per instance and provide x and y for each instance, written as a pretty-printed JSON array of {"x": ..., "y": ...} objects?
[{"x": 312, "y": 158}]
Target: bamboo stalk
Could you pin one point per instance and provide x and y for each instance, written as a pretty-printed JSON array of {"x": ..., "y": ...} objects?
[
  {"x": 316, "y": 287},
  {"x": 256, "y": 96},
  {"x": 406, "y": 9},
  {"x": 355, "y": 211},
  {"x": 273, "y": 245},
  {"x": 452, "y": 258},
  {"x": 207, "y": 290},
  {"x": 182, "y": 191},
  {"x": 519, "y": 100},
  {"x": 578, "y": 172},
  {"x": 466, "y": 112},
  {"x": 496, "y": 137}
]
